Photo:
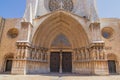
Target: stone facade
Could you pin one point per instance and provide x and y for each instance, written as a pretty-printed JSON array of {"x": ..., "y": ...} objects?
[{"x": 26, "y": 44}]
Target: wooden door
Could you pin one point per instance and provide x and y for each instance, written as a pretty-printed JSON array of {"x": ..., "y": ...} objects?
[
  {"x": 112, "y": 66},
  {"x": 66, "y": 62},
  {"x": 8, "y": 65},
  {"x": 54, "y": 62}
]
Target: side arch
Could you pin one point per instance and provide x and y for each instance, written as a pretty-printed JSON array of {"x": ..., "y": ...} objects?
[
  {"x": 113, "y": 63},
  {"x": 7, "y": 62}
]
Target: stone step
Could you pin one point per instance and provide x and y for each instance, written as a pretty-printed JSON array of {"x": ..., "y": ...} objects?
[{"x": 57, "y": 77}]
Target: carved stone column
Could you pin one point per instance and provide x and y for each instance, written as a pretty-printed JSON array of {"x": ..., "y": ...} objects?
[
  {"x": 60, "y": 71},
  {"x": 32, "y": 53}
]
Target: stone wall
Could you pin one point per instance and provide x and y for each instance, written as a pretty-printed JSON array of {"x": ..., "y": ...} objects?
[
  {"x": 112, "y": 43},
  {"x": 8, "y": 44}
]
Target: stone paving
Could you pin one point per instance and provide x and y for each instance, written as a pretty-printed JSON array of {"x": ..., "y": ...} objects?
[{"x": 57, "y": 77}]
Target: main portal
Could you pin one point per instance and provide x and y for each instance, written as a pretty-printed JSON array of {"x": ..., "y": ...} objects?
[{"x": 61, "y": 62}]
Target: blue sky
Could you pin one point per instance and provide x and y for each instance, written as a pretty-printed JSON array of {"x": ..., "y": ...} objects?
[{"x": 15, "y": 8}]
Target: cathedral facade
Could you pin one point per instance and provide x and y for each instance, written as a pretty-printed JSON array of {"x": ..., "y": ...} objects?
[{"x": 60, "y": 36}]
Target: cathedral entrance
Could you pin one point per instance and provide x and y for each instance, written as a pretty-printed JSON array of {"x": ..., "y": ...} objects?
[
  {"x": 61, "y": 62},
  {"x": 112, "y": 66},
  {"x": 61, "y": 39}
]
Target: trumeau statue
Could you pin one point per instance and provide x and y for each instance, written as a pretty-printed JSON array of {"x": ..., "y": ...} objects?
[{"x": 82, "y": 8}]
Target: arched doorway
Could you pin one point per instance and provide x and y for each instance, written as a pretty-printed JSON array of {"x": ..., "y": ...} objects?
[
  {"x": 8, "y": 63},
  {"x": 60, "y": 33},
  {"x": 61, "y": 61},
  {"x": 112, "y": 66},
  {"x": 112, "y": 63}
]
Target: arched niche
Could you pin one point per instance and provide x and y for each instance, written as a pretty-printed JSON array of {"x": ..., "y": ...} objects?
[
  {"x": 112, "y": 63},
  {"x": 8, "y": 61}
]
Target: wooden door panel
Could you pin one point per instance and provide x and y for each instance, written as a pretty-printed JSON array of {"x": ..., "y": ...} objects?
[
  {"x": 66, "y": 62},
  {"x": 8, "y": 65},
  {"x": 112, "y": 66},
  {"x": 55, "y": 62}
]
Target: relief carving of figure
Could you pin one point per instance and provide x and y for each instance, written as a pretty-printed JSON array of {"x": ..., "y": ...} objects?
[
  {"x": 93, "y": 53},
  {"x": 102, "y": 54}
]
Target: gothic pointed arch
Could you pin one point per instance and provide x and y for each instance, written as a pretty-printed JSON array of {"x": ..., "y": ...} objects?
[{"x": 60, "y": 22}]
